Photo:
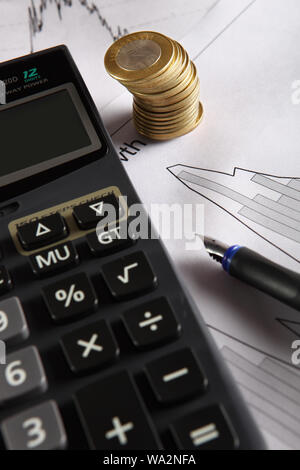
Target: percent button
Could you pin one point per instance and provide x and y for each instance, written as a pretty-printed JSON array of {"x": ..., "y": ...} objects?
[{"x": 71, "y": 297}]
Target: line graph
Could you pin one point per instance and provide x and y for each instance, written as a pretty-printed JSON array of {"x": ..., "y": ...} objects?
[{"x": 37, "y": 10}]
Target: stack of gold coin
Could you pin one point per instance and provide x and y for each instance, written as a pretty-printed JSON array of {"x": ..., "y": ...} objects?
[{"x": 163, "y": 80}]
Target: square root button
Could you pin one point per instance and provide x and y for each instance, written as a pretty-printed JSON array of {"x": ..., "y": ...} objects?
[{"x": 128, "y": 276}]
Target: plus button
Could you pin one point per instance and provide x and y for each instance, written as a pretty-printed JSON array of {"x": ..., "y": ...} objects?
[{"x": 119, "y": 430}]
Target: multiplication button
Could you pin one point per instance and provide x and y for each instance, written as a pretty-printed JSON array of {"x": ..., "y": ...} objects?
[
  {"x": 89, "y": 347},
  {"x": 70, "y": 297},
  {"x": 42, "y": 232}
]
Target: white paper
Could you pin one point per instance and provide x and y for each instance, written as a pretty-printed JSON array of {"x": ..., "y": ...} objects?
[{"x": 247, "y": 55}]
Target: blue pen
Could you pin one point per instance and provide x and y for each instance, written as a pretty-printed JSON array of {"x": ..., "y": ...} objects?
[{"x": 257, "y": 271}]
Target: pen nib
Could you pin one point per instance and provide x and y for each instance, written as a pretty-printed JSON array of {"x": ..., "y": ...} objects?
[{"x": 215, "y": 249}]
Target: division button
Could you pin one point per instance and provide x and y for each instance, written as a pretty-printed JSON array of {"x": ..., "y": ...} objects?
[
  {"x": 129, "y": 276},
  {"x": 53, "y": 260},
  {"x": 151, "y": 323},
  {"x": 13, "y": 325},
  {"x": 176, "y": 376},
  {"x": 42, "y": 232},
  {"x": 22, "y": 376},
  {"x": 38, "y": 428},
  {"x": 5, "y": 280},
  {"x": 206, "y": 429},
  {"x": 113, "y": 415},
  {"x": 89, "y": 347},
  {"x": 88, "y": 215},
  {"x": 71, "y": 297}
]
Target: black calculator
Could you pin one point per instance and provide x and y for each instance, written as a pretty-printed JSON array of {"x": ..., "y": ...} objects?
[{"x": 104, "y": 347}]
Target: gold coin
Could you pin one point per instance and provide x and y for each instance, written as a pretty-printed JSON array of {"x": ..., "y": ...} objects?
[
  {"x": 163, "y": 80},
  {"x": 128, "y": 65},
  {"x": 172, "y": 98},
  {"x": 167, "y": 136},
  {"x": 170, "y": 127},
  {"x": 159, "y": 116},
  {"x": 138, "y": 54},
  {"x": 174, "y": 106},
  {"x": 169, "y": 119},
  {"x": 185, "y": 78}
]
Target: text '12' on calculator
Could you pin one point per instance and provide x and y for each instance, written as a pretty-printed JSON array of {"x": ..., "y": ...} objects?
[{"x": 104, "y": 347}]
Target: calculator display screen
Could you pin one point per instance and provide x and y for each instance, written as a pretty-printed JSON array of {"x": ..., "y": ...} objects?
[{"x": 43, "y": 131}]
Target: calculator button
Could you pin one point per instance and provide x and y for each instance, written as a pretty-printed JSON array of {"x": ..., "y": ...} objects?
[
  {"x": 88, "y": 215},
  {"x": 175, "y": 376},
  {"x": 70, "y": 297},
  {"x": 151, "y": 323},
  {"x": 53, "y": 260},
  {"x": 206, "y": 429},
  {"x": 5, "y": 280},
  {"x": 129, "y": 275},
  {"x": 39, "y": 428},
  {"x": 113, "y": 416},
  {"x": 89, "y": 347},
  {"x": 22, "y": 375},
  {"x": 13, "y": 325},
  {"x": 107, "y": 241},
  {"x": 42, "y": 232}
]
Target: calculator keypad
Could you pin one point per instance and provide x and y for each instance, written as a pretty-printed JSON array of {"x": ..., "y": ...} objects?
[
  {"x": 128, "y": 276},
  {"x": 23, "y": 375},
  {"x": 137, "y": 340},
  {"x": 53, "y": 260},
  {"x": 42, "y": 232},
  {"x": 72, "y": 297},
  {"x": 89, "y": 347},
  {"x": 39, "y": 428},
  {"x": 13, "y": 324},
  {"x": 113, "y": 416}
]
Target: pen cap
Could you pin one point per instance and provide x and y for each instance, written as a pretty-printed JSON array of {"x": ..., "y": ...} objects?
[{"x": 267, "y": 276}]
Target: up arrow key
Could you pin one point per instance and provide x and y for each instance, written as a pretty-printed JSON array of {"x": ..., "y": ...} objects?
[
  {"x": 42, "y": 232},
  {"x": 98, "y": 208}
]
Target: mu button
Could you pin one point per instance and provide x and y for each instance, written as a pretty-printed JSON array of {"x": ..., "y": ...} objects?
[
  {"x": 129, "y": 275},
  {"x": 42, "y": 232},
  {"x": 52, "y": 260}
]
